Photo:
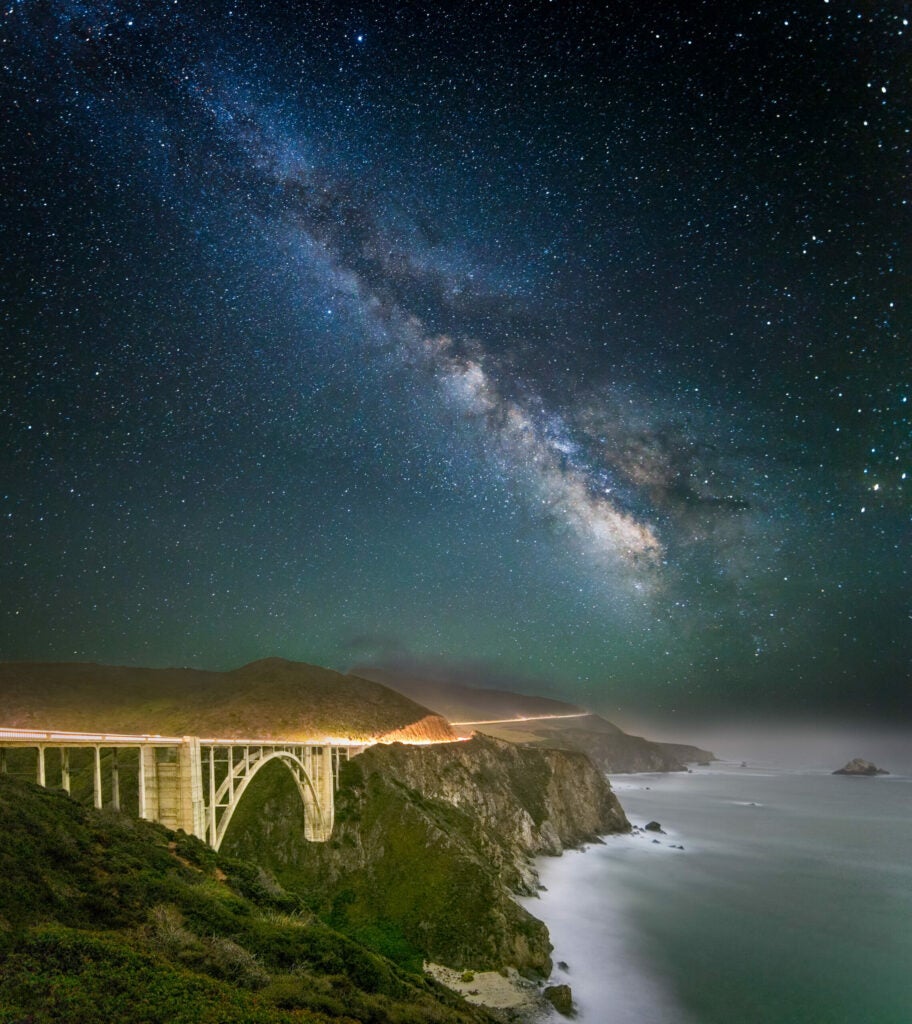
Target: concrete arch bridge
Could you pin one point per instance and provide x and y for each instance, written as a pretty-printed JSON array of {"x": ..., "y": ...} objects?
[{"x": 183, "y": 782}]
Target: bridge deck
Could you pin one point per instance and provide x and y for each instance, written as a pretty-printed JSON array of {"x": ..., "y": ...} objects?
[{"x": 29, "y": 737}]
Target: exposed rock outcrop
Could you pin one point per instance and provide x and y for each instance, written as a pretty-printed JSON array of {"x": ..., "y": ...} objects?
[
  {"x": 858, "y": 766},
  {"x": 560, "y": 997}
]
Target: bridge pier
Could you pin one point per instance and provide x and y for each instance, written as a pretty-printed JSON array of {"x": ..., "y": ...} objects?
[
  {"x": 96, "y": 778},
  {"x": 148, "y": 784},
  {"x": 115, "y": 781}
]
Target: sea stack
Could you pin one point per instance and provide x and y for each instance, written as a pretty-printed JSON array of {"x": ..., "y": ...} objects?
[{"x": 858, "y": 766}]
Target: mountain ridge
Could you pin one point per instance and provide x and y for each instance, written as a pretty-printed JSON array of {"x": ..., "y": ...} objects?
[
  {"x": 271, "y": 698},
  {"x": 612, "y": 749}
]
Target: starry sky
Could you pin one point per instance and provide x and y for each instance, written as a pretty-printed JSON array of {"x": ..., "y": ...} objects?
[{"x": 562, "y": 344}]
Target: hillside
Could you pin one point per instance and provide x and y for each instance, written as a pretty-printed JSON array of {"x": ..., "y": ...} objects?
[
  {"x": 431, "y": 843},
  {"x": 460, "y": 702},
  {"x": 272, "y": 698},
  {"x": 105, "y": 919},
  {"x": 610, "y": 747}
]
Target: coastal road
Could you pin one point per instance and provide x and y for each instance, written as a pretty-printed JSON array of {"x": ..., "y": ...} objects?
[{"x": 524, "y": 718}]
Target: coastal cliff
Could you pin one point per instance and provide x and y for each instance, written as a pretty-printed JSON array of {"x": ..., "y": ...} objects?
[
  {"x": 615, "y": 751},
  {"x": 430, "y": 845}
]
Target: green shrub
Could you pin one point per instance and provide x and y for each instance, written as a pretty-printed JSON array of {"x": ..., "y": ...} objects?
[{"x": 226, "y": 959}]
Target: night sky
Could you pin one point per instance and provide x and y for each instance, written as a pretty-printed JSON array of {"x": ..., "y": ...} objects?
[{"x": 567, "y": 346}]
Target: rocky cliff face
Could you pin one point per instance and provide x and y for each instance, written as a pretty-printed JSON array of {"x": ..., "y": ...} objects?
[
  {"x": 540, "y": 801},
  {"x": 431, "y": 842},
  {"x": 686, "y": 753}
]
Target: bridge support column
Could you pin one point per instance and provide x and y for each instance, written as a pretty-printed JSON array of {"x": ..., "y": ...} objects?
[
  {"x": 179, "y": 785},
  {"x": 42, "y": 777},
  {"x": 96, "y": 776},
  {"x": 212, "y": 816},
  {"x": 318, "y": 810},
  {"x": 65, "y": 769},
  {"x": 115, "y": 781},
  {"x": 327, "y": 790},
  {"x": 192, "y": 804},
  {"x": 148, "y": 784}
]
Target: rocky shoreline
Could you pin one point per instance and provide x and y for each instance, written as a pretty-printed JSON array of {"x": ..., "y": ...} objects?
[{"x": 495, "y": 990}]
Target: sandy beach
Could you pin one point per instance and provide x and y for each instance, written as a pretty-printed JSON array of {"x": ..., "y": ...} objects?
[{"x": 491, "y": 988}]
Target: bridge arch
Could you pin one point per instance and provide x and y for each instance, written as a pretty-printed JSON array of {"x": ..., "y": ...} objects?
[
  {"x": 190, "y": 783},
  {"x": 318, "y": 820}
]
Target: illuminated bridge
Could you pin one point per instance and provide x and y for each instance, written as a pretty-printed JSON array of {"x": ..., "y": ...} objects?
[{"x": 182, "y": 782}]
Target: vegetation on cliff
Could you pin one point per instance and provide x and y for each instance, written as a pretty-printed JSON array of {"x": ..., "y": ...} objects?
[
  {"x": 431, "y": 843},
  {"x": 106, "y": 918}
]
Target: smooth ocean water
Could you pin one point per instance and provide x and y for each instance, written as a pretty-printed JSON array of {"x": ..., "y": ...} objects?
[{"x": 791, "y": 902}]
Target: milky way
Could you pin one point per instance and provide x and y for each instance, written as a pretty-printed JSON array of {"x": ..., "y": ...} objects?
[{"x": 566, "y": 346}]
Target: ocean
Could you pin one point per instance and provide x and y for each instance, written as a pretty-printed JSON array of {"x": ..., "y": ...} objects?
[{"x": 791, "y": 902}]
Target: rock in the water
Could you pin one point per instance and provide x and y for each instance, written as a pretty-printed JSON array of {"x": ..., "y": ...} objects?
[
  {"x": 858, "y": 766},
  {"x": 560, "y": 997},
  {"x": 654, "y": 826}
]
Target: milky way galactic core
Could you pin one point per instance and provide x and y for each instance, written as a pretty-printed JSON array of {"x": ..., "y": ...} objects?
[{"x": 566, "y": 348}]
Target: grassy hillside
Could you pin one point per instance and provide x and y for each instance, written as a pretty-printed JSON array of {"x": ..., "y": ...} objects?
[
  {"x": 270, "y": 698},
  {"x": 107, "y": 919}
]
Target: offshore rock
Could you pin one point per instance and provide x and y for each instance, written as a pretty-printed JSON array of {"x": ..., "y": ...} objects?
[
  {"x": 858, "y": 766},
  {"x": 560, "y": 997},
  {"x": 431, "y": 842}
]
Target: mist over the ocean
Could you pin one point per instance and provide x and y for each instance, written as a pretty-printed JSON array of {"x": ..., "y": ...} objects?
[
  {"x": 790, "y": 901},
  {"x": 820, "y": 742}
]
